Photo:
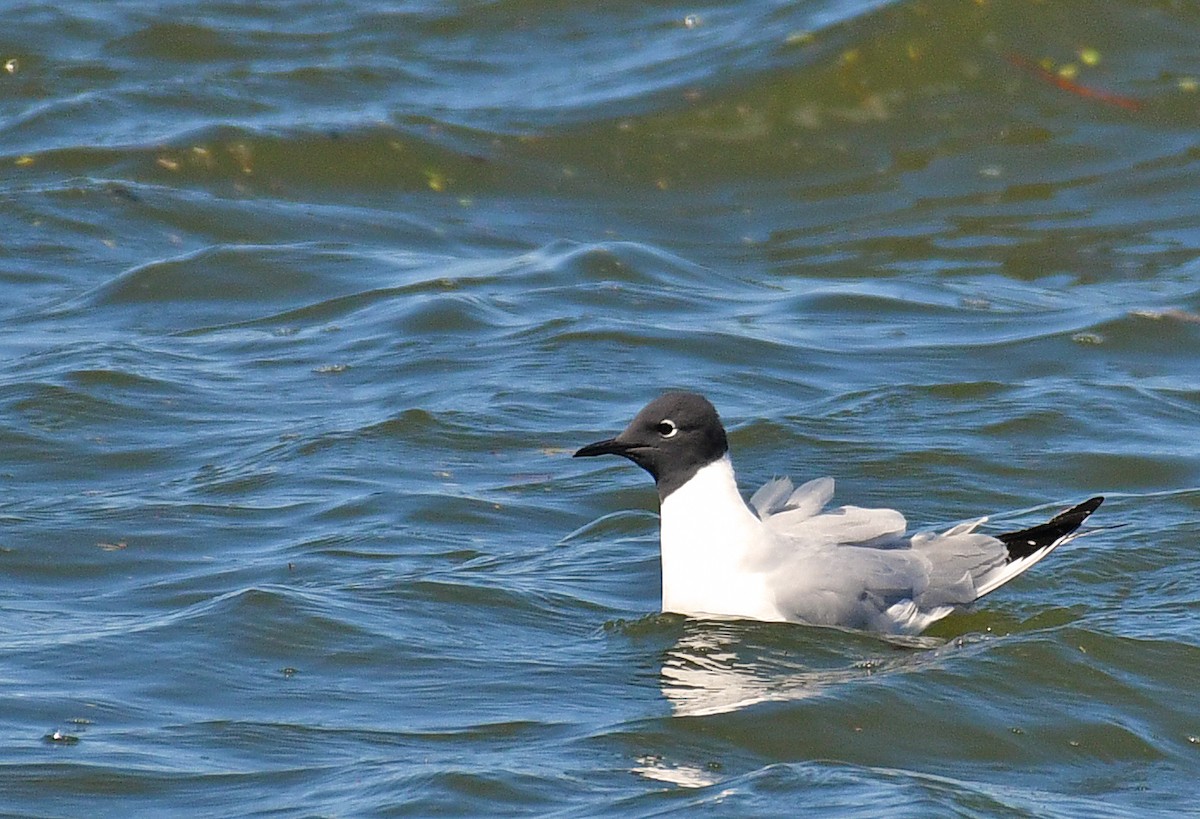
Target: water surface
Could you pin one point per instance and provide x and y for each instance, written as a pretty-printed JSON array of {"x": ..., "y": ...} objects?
[{"x": 307, "y": 305}]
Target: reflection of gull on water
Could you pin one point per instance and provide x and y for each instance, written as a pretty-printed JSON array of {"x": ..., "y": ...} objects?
[
  {"x": 715, "y": 667},
  {"x": 718, "y": 667}
]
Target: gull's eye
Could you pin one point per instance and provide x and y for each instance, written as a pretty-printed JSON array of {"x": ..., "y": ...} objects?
[{"x": 666, "y": 428}]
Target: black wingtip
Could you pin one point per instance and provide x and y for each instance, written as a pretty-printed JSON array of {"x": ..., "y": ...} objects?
[{"x": 1027, "y": 541}]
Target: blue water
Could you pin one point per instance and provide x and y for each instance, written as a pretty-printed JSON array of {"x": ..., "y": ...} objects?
[{"x": 306, "y": 306}]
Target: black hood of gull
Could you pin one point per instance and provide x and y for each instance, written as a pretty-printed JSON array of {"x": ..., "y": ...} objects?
[{"x": 672, "y": 438}]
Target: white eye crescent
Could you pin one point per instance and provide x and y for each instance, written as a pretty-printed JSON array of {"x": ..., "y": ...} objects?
[{"x": 666, "y": 428}]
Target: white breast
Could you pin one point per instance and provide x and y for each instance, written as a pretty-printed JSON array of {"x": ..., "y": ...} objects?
[{"x": 709, "y": 536}]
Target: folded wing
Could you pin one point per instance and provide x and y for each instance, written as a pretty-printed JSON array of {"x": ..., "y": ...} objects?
[{"x": 855, "y": 567}]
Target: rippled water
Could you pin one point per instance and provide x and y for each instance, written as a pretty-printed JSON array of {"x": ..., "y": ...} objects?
[{"x": 307, "y": 304}]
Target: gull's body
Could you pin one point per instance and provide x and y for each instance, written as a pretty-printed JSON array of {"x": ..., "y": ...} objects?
[{"x": 783, "y": 558}]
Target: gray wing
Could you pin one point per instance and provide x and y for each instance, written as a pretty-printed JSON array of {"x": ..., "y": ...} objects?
[
  {"x": 854, "y": 567},
  {"x": 795, "y": 515}
]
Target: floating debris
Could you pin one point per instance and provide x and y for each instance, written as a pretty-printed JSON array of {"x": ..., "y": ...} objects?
[
  {"x": 11, "y": 65},
  {"x": 435, "y": 179},
  {"x": 975, "y": 303},
  {"x": 203, "y": 156},
  {"x": 1173, "y": 313},
  {"x": 241, "y": 154},
  {"x": 59, "y": 738},
  {"x": 1044, "y": 70}
]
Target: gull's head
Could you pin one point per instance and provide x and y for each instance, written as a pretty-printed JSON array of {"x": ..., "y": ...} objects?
[{"x": 672, "y": 438}]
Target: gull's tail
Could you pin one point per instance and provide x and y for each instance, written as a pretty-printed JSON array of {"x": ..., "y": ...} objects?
[{"x": 1028, "y": 546}]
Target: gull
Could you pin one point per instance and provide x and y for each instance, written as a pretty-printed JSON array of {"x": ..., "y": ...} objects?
[{"x": 784, "y": 558}]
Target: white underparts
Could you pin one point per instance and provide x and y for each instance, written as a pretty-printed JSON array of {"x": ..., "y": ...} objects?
[{"x": 708, "y": 534}]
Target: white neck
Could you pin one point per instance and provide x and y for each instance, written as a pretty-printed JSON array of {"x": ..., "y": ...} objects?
[{"x": 708, "y": 534}]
